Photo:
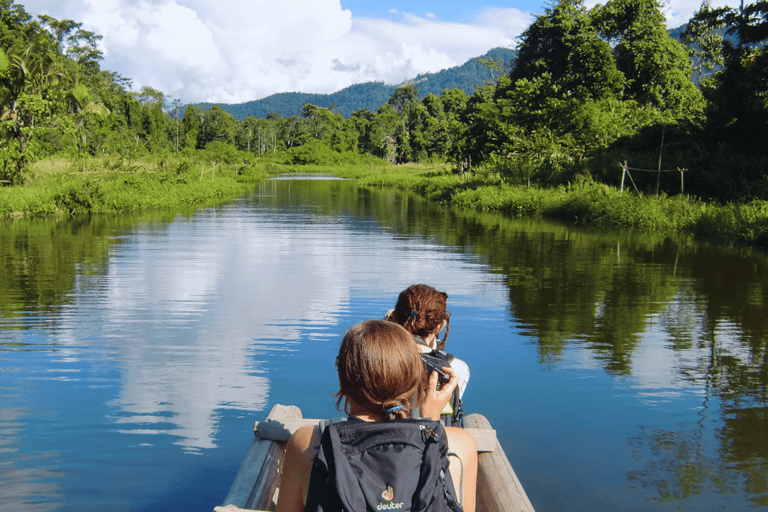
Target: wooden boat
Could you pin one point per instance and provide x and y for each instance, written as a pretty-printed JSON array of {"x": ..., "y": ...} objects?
[{"x": 257, "y": 482}]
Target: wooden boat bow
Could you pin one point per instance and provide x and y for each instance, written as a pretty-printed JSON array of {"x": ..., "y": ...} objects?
[{"x": 256, "y": 483}]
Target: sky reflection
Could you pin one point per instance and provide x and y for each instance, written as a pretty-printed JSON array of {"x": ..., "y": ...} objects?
[{"x": 613, "y": 380}]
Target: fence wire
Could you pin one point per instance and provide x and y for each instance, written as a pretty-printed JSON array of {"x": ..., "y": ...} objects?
[{"x": 625, "y": 168}]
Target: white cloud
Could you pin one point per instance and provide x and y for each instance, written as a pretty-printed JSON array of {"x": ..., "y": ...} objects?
[
  {"x": 232, "y": 51},
  {"x": 415, "y": 45},
  {"x": 678, "y": 12}
]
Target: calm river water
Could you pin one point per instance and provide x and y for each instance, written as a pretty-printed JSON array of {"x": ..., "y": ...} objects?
[{"x": 621, "y": 371}]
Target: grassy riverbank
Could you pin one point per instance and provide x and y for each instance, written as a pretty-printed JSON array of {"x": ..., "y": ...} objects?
[
  {"x": 114, "y": 185},
  {"x": 63, "y": 187},
  {"x": 583, "y": 203}
]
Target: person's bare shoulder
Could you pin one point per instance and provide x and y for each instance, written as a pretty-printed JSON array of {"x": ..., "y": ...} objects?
[
  {"x": 301, "y": 450},
  {"x": 461, "y": 438},
  {"x": 297, "y": 464},
  {"x": 302, "y": 438}
]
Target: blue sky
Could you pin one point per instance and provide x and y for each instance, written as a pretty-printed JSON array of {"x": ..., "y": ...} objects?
[
  {"x": 232, "y": 51},
  {"x": 455, "y": 11}
]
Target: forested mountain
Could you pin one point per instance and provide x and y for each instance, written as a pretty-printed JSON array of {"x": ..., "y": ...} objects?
[
  {"x": 590, "y": 87},
  {"x": 371, "y": 95}
]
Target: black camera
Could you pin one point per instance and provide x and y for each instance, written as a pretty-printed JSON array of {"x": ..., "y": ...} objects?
[{"x": 433, "y": 363}]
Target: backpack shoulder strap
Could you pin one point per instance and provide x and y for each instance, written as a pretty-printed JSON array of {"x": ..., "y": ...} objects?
[
  {"x": 324, "y": 423},
  {"x": 322, "y": 495}
]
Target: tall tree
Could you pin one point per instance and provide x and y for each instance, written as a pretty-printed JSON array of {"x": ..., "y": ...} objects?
[
  {"x": 737, "y": 97},
  {"x": 191, "y": 125},
  {"x": 217, "y": 126},
  {"x": 703, "y": 37},
  {"x": 37, "y": 91},
  {"x": 404, "y": 96},
  {"x": 564, "y": 44},
  {"x": 655, "y": 66}
]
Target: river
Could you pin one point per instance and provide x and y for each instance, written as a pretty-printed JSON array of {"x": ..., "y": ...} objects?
[{"x": 621, "y": 370}]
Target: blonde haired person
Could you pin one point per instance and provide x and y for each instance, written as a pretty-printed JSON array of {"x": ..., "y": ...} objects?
[{"x": 381, "y": 375}]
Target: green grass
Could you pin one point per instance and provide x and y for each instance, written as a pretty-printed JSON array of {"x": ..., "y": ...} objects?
[
  {"x": 113, "y": 185},
  {"x": 586, "y": 203}
]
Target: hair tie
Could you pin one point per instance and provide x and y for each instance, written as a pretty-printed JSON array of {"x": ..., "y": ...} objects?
[
  {"x": 414, "y": 313},
  {"x": 395, "y": 408}
]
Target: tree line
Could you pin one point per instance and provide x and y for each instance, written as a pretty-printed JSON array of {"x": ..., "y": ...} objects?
[
  {"x": 590, "y": 89},
  {"x": 372, "y": 95}
]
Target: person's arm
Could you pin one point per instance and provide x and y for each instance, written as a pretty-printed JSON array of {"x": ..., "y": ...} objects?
[
  {"x": 464, "y": 470},
  {"x": 437, "y": 398},
  {"x": 295, "y": 471}
]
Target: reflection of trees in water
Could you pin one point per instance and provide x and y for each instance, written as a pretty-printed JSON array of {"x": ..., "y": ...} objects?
[
  {"x": 684, "y": 463},
  {"x": 601, "y": 292},
  {"x": 745, "y": 450},
  {"x": 727, "y": 450},
  {"x": 683, "y": 318},
  {"x": 677, "y": 464},
  {"x": 578, "y": 286},
  {"x": 41, "y": 259},
  {"x": 605, "y": 292}
]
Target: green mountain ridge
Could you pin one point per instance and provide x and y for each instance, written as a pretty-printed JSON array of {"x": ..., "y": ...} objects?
[{"x": 371, "y": 95}]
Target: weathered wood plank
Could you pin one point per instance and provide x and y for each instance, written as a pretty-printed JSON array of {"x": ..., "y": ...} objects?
[
  {"x": 229, "y": 508},
  {"x": 485, "y": 439},
  {"x": 255, "y": 483},
  {"x": 498, "y": 489}
]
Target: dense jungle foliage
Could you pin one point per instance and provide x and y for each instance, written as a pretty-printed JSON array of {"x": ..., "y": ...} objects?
[{"x": 602, "y": 95}]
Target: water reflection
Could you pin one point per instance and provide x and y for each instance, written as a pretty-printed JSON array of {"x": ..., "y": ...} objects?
[
  {"x": 643, "y": 355},
  {"x": 155, "y": 328},
  {"x": 27, "y": 478},
  {"x": 684, "y": 325},
  {"x": 681, "y": 322},
  {"x": 179, "y": 313}
]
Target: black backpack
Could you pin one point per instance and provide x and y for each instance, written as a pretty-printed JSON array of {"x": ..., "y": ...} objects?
[{"x": 397, "y": 464}]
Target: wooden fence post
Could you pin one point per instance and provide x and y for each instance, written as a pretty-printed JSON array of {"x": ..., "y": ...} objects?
[
  {"x": 623, "y": 174},
  {"x": 682, "y": 181}
]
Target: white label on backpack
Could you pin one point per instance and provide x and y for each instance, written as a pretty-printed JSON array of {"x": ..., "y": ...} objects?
[
  {"x": 389, "y": 494},
  {"x": 390, "y": 506}
]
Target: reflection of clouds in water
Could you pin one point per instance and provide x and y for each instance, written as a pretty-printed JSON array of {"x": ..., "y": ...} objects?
[
  {"x": 391, "y": 265},
  {"x": 655, "y": 368},
  {"x": 183, "y": 310},
  {"x": 674, "y": 352},
  {"x": 35, "y": 489},
  {"x": 677, "y": 350},
  {"x": 194, "y": 317}
]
